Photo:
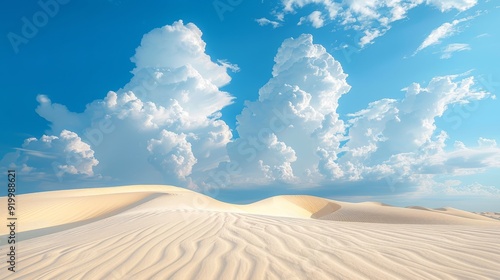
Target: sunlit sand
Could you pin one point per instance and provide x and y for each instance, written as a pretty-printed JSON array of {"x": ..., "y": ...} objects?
[{"x": 163, "y": 232}]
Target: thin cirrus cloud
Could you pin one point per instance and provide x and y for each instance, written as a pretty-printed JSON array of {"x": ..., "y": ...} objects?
[
  {"x": 446, "y": 5},
  {"x": 372, "y": 19},
  {"x": 449, "y": 50},
  {"x": 445, "y": 30},
  {"x": 165, "y": 126}
]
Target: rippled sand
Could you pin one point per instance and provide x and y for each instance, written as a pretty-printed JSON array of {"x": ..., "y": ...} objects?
[{"x": 163, "y": 232}]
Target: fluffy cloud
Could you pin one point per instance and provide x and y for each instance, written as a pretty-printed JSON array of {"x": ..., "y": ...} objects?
[
  {"x": 172, "y": 154},
  {"x": 410, "y": 123},
  {"x": 163, "y": 126},
  {"x": 371, "y": 19},
  {"x": 293, "y": 126},
  {"x": 57, "y": 156},
  {"x": 453, "y": 48},
  {"x": 445, "y": 30},
  {"x": 176, "y": 46},
  {"x": 293, "y": 134},
  {"x": 402, "y": 136}
]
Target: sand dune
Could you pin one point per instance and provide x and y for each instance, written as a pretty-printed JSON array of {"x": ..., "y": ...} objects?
[
  {"x": 491, "y": 215},
  {"x": 163, "y": 232}
]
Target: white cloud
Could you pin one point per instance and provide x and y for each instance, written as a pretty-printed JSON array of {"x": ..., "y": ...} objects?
[
  {"x": 452, "y": 48},
  {"x": 57, "y": 156},
  {"x": 370, "y": 36},
  {"x": 163, "y": 126},
  {"x": 410, "y": 121},
  {"x": 464, "y": 161},
  {"x": 332, "y": 8},
  {"x": 35, "y": 153},
  {"x": 172, "y": 154},
  {"x": 371, "y": 18},
  {"x": 391, "y": 138},
  {"x": 159, "y": 46},
  {"x": 293, "y": 126},
  {"x": 265, "y": 21},
  {"x": 446, "y": 5},
  {"x": 315, "y": 18},
  {"x": 392, "y": 144},
  {"x": 483, "y": 35},
  {"x": 403, "y": 136},
  {"x": 233, "y": 67},
  {"x": 445, "y": 30}
]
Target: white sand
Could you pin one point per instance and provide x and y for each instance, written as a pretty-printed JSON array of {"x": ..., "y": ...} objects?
[{"x": 162, "y": 232}]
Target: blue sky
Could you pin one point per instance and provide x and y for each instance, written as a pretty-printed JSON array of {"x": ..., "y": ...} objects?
[{"x": 393, "y": 101}]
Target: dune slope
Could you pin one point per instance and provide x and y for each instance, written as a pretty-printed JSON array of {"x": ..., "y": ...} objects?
[{"x": 162, "y": 232}]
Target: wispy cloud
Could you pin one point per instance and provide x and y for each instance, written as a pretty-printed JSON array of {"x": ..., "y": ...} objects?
[
  {"x": 229, "y": 65},
  {"x": 452, "y": 48},
  {"x": 315, "y": 18},
  {"x": 372, "y": 19},
  {"x": 446, "y": 5},
  {"x": 445, "y": 30},
  {"x": 36, "y": 153},
  {"x": 265, "y": 21}
]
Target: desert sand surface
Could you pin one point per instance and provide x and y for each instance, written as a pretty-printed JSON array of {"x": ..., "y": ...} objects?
[{"x": 164, "y": 232}]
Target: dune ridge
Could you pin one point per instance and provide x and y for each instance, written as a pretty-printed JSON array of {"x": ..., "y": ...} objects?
[{"x": 164, "y": 232}]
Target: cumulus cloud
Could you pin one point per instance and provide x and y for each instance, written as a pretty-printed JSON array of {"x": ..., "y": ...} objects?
[
  {"x": 172, "y": 154},
  {"x": 184, "y": 40},
  {"x": 371, "y": 19},
  {"x": 165, "y": 126},
  {"x": 162, "y": 126},
  {"x": 445, "y": 30},
  {"x": 293, "y": 134},
  {"x": 453, "y": 48},
  {"x": 293, "y": 125},
  {"x": 56, "y": 156},
  {"x": 400, "y": 139}
]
